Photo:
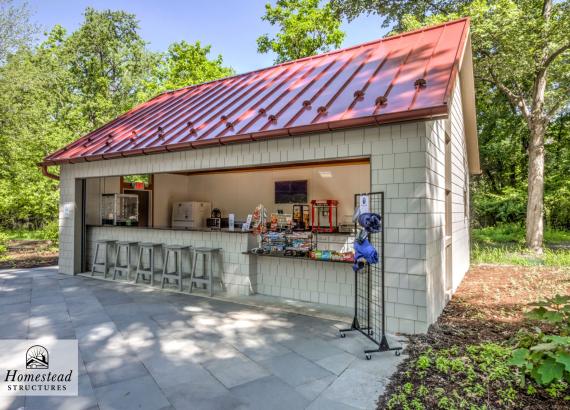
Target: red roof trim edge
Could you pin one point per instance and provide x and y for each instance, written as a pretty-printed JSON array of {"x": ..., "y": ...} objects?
[{"x": 423, "y": 114}]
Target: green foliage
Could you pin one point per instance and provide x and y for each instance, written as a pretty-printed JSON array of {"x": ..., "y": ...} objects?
[
  {"x": 305, "y": 29},
  {"x": 519, "y": 255},
  {"x": 3, "y": 240},
  {"x": 108, "y": 63},
  {"x": 15, "y": 28},
  {"x": 557, "y": 189},
  {"x": 469, "y": 372},
  {"x": 546, "y": 356},
  {"x": 507, "y": 205},
  {"x": 500, "y": 194},
  {"x": 50, "y": 232},
  {"x": 394, "y": 11},
  {"x": 186, "y": 64},
  {"x": 553, "y": 312},
  {"x": 68, "y": 85},
  {"x": 504, "y": 244},
  {"x": 513, "y": 233}
]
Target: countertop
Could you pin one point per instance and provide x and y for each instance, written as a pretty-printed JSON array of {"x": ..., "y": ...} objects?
[
  {"x": 224, "y": 230},
  {"x": 169, "y": 228}
]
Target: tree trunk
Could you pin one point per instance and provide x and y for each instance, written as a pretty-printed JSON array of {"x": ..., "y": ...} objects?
[
  {"x": 535, "y": 204},
  {"x": 537, "y": 122}
]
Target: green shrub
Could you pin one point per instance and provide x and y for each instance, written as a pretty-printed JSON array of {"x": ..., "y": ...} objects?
[
  {"x": 3, "y": 239},
  {"x": 509, "y": 205},
  {"x": 546, "y": 356},
  {"x": 50, "y": 231},
  {"x": 499, "y": 234},
  {"x": 557, "y": 203}
]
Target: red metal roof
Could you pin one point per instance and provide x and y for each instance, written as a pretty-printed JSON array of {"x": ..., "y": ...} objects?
[{"x": 403, "y": 77}]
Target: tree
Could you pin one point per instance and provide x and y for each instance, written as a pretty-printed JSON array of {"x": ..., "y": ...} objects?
[
  {"x": 109, "y": 64},
  {"x": 70, "y": 84},
  {"x": 186, "y": 64},
  {"x": 305, "y": 29},
  {"x": 55, "y": 92},
  {"x": 15, "y": 27},
  {"x": 393, "y": 12},
  {"x": 36, "y": 117},
  {"x": 521, "y": 49}
]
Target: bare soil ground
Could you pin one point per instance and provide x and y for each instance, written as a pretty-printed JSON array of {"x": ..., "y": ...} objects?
[
  {"x": 29, "y": 254},
  {"x": 487, "y": 307}
]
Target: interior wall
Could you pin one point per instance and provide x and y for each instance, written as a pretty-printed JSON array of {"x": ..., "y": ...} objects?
[
  {"x": 241, "y": 192},
  {"x": 167, "y": 189},
  {"x": 94, "y": 188}
]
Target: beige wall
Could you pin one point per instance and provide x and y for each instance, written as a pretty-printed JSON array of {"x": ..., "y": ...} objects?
[
  {"x": 241, "y": 192},
  {"x": 435, "y": 205},
  {"x": 94, "y": 188},
  {"x": 399, "y": 166},
  {"x": 167, "y": 189}
]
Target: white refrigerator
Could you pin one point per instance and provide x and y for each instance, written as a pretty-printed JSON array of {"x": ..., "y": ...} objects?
[{"x": 190, "y": 214}]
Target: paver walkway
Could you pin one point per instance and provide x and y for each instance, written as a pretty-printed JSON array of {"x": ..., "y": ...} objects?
[{"x": 147, "y": 349}]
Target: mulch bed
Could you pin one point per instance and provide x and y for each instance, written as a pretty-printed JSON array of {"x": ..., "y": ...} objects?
[
  {"x": 25, "y": 254},
  {"x": 487, "y": 307}
]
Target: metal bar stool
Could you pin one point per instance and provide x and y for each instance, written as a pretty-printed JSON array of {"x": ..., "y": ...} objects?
[
  {"x": 128, "y": 267},
  {"x": 207, "y": 278},
  {"x": 142, "y": 270},
  {"x": 108, "y": 245},
  {"x": 176, "y": 252}
]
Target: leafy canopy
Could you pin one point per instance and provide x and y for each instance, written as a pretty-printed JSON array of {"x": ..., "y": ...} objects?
[
  {"x": 15, "y": 28},
  {"x": 69, "y": 85},
  {"x": 512, "y": 44},
  {"x": 393, "y": 12},
  {"x": 109, "y": 64},
  {"x": 305, "y": 29},
  {"x": 186, "y": 64}
]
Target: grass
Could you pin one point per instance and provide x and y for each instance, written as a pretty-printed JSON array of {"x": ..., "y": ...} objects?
[
  {"x": 45, "y": 233},
  {"x": 515, "y": 234},
  {"x": 504, "y": 245}
]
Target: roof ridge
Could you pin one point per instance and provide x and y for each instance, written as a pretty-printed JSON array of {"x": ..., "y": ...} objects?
[{"x": 316, "y": 56}]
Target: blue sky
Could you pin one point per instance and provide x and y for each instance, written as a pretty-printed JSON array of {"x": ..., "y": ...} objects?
[{"x": 231, "y": 27}]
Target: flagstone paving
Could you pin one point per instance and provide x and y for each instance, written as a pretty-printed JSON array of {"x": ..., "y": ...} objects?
[{"x": 141, "y": 348}]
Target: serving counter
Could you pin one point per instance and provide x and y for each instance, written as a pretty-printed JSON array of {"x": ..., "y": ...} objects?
[
  {"x": 244, "y": 273},
  {"x": 235, "y": 265}
]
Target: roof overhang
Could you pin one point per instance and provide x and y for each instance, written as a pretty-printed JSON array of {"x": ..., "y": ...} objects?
[
  {"x": 412, "y": 115},
  {"x": 467, "y": 84}
]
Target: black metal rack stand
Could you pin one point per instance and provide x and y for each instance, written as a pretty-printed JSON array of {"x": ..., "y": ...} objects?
[{"x": 369, "y": 289}]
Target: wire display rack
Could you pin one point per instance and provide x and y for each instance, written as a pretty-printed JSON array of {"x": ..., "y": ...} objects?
[{"x": 369, "y": 288}]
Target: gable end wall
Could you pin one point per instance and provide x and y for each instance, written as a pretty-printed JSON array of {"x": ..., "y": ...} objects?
[{"x": 435, "y": 258}]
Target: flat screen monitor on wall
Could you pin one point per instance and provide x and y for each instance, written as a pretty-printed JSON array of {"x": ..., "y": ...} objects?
[{"x": 291, "y": 192}]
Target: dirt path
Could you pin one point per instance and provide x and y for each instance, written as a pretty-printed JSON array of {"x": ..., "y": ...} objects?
[{"x": 29, "y": 254}]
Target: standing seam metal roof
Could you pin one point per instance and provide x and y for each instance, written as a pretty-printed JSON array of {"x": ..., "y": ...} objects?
[{"x": 403, "y": 77}]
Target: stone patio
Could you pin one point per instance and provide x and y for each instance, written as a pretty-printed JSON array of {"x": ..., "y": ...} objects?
[{"x": 142, "y": 348}]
